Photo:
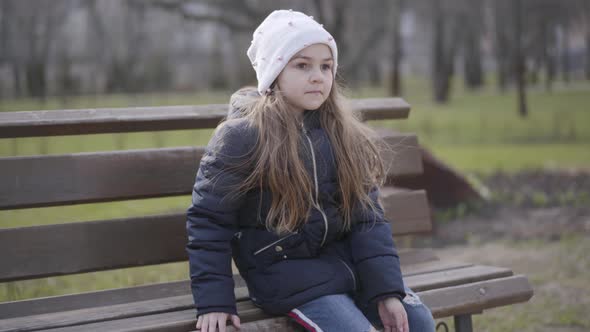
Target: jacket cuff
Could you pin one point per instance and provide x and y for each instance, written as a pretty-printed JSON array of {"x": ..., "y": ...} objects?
[
  {"x": 206, "y": 310},
  {"x": 380, "y": 276},
  {"x": 375, "y": 300}
]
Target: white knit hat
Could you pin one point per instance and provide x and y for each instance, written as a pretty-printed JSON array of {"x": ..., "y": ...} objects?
[{"x": 279, "y": 37}]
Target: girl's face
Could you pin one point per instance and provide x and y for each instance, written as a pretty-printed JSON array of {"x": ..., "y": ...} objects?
[{"x": 307, "y": 79}]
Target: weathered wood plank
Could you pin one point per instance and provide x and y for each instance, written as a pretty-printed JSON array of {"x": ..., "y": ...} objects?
[
  {"x": 41, "y": 251},
  {"x": 154, "y": 291},
  {"x": 460, "y": 276},
  {"x": 431, "y": 266},
  {"x": 132, "y": 174},
  {"x": 407, "y": 210},
  {"x": 84, "y": 300},
  {"x": 444, "y": 302},
  {"x": 400, "y": 152},
  {"x": 91, "y": 315},
  {"x": 410, "y": 256},
  {"x": 419, "y": 283},
  {"x": 164, "y": 314},
  {"x": 124, "y": 120},
  {"x": 283, "y": 324},
  {"x": 97, "y": 177},
  {"x": 177, "y": 288},
  {"x": 478, "y": 296}
]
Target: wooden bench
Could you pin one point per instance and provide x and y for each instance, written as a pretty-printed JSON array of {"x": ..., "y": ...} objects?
[{"x": 449, "y": 288}]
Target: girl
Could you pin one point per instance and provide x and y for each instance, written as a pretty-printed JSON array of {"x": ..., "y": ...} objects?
[{"x": 288, "y": 185}]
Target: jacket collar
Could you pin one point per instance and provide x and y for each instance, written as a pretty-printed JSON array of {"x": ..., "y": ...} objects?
[{"x": 311, "y": 119}]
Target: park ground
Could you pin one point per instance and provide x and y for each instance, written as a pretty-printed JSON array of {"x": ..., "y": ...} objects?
[{"x": 534, "y": 172}]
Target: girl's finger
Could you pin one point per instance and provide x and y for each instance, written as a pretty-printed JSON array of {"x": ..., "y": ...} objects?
[
  {"x": 236, "y": 321},
  {"x": 221, "y": 321},
  {"x": 212, "y": 324},
  {"x": 205, "y": 323},
  {"x": 406, "y": 323},
  {"x": 199, "y": 322},
  {"x": 399, "y": 322}
]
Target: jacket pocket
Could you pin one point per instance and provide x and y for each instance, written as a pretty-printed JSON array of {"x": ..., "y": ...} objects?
[
  {"x": 274, "y": 244},
  {"x": 351, "y": 272},
  {"x": 302, "y": 277}
]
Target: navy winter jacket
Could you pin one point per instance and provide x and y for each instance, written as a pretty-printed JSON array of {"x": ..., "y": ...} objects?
[{"x": 282, "y": 272}]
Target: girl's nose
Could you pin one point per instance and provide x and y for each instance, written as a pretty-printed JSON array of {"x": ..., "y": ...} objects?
[{"x": 316, "y": 76}]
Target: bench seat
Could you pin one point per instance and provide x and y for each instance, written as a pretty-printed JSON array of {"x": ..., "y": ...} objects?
[{"x": 447, "y": 288}]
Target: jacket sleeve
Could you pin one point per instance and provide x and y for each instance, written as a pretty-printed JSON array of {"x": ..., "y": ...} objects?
[
  {"x": 212, "y": 219},
  {"x": 374, "y": 254}
]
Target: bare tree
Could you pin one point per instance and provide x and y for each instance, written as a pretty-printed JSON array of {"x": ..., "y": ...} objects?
[
  {"x": 397, "y": 49},
  {"x": 236, "y": 15},
  {"x": 502, "y": 43},
  {"x": 548, "y": 46},
  {"x": 444, "y": 48},
  {"x": 361, "y": 46},
  {"x": 33, "y": 27},
  {"x": 101, "y": 48},
  {"x": 472, "y": 18},
  {"x": 518, "y": 56},
  {"x": 586, "y": 11}
]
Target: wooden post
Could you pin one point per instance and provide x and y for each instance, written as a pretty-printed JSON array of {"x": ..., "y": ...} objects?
[{"x": 463, "y": 323}]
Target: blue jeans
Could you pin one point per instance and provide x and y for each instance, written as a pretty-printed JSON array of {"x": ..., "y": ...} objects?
[{"x": 339, "y": 313}]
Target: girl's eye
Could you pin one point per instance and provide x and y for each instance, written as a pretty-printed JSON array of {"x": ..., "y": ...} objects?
[
  {"x": 301, "y": 65},
  {"x": 326, "y": 67}
]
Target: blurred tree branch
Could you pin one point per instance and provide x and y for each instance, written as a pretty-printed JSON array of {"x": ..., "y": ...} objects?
[{"x": 236, "y": 15}]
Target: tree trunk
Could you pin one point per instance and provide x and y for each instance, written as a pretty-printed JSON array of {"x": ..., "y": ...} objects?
[
  {"x": 588, "y": 53},
  {"x": 565, "y": 59},
  {"x": 36, "y": 78},
  {"x": 502, "y": 49},
  {"x": 519, "y": 64},
  {"x": 396, "y": 84},
  {"x": 18, "y": 79},
  {"x": 586, "y": 10},
  {"x": 101, "y": 48},
  {"x": 471, "y": 46},
  {"x": 472, "y": 58},
  {"x": 548, "y": 56},
  {"x": 441, "y": 65},
  {"x": 374, "y": 73}
]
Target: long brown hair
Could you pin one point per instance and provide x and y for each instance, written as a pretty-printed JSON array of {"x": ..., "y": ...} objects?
[{"x": 277, "y": 164}]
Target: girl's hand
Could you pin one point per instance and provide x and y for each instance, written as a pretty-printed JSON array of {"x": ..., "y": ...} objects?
[
  {"x": 210, "y": 321},
  {"x": 393, "y": 315}
]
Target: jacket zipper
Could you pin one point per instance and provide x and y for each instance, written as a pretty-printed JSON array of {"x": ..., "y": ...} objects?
[
  {"x": 316, "y": 202},
  {"x": 272, "y": 244},
  {"x": 351, "y": 273}
]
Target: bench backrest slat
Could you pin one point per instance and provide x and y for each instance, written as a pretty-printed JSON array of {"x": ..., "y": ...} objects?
[
  {"x": 39, "y": 251},
  {"x": 96, "y": 177},
  {"x": 132, "y": 174},
  {"x": 118, "y": 120}
]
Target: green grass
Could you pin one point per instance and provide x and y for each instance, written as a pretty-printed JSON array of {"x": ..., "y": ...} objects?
[
  {"x": 475, "y": 132},
  {"x": 486, "y": 158}
]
